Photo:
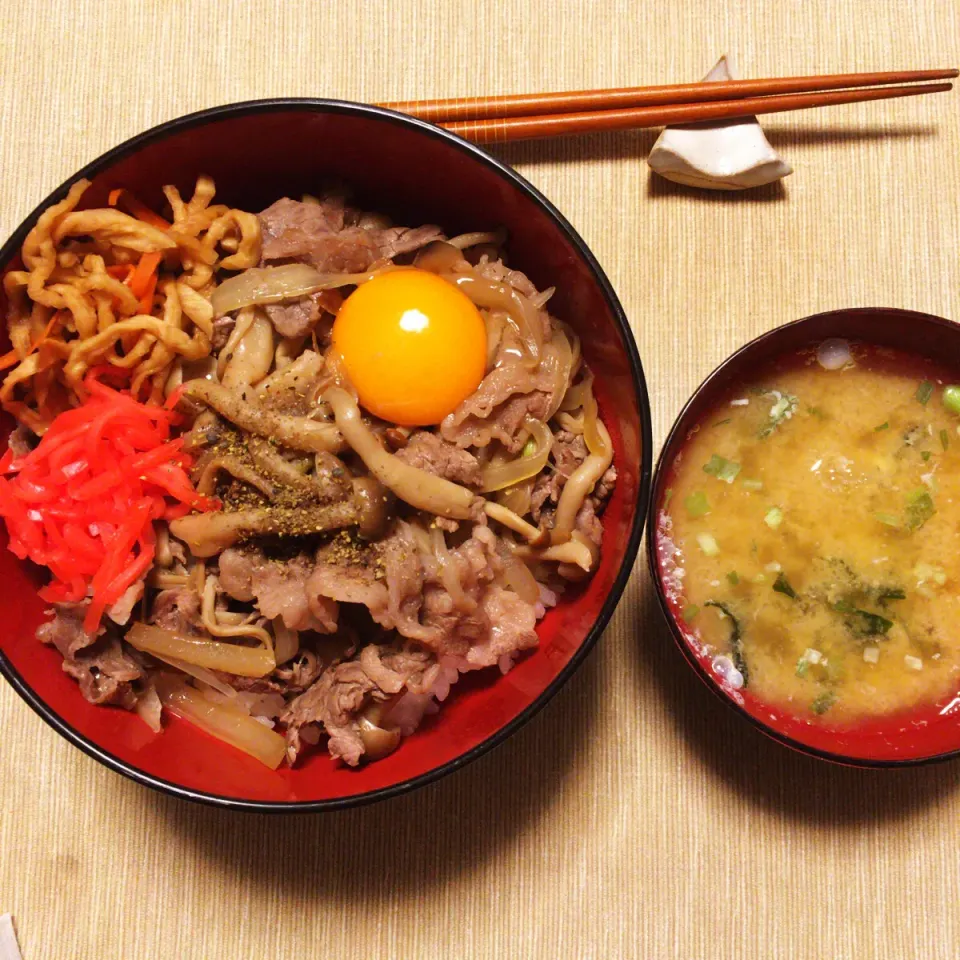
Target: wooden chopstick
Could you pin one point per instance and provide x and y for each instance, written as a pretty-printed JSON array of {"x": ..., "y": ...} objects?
[
  {"x": 503, "y": 130},
  {"x": 539, "y": 104}
]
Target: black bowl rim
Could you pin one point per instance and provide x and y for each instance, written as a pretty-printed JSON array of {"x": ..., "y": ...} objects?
[
  {"x": 508, "y": 174},
  {"x": 713, "y": 381}
]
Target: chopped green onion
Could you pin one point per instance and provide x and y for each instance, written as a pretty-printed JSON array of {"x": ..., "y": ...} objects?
[
  {"x": 889, "y": 519},
  {"x": 690, "y": 611},
  {"x": 920, "y": 508},
  {"x": 944, "y": 439},
  {"x": 782, "y": 585},
  {"x": 749, "y": 484},
  {"x": 925, "y": 392},
  {"x": 803, "y": 665},
  {"x": 925, "y": 455},
  {"x": 883, "y": 426},
  {"x": 783, "y": 409},
  {"x": 733, "y": 577},
  {"x": 951, "y": 399},
  {"x": 708, "y": 544},
  {"x": 697, "y": 504},
  {"x": 816, "y": 412},
  {"x": 721, "y": 468},
  {"x": 529, "y": 448},
  {"x": 774, "y": 518},
  {"x": 824, "y": 702}
]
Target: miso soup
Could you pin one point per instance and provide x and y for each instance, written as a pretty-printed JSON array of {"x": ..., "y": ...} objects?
[{"x": 810, "y": 535}]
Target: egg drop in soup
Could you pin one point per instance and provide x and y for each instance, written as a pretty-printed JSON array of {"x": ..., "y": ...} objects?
[{"x": 808, "y": 535}]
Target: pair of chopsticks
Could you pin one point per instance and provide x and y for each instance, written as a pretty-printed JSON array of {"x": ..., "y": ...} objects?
[{"x": 529, "y": 116}]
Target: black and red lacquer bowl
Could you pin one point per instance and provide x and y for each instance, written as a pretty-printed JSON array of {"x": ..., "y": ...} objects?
[
  {"x": 416, "y": 173},
  {"x": 919, "y": 735}
]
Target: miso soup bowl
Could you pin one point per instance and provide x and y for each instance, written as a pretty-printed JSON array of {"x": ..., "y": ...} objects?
[
  {"x": 921, "y": 735},
  {"x": 416, "y": 173}
]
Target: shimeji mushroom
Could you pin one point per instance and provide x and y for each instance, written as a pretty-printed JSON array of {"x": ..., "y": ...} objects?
[{"x": 718, "y": 155}]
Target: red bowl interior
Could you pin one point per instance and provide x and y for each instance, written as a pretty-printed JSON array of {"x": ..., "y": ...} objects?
[
  {"x": 929, "y": 733},
  {"x": 417, "y": 174}
]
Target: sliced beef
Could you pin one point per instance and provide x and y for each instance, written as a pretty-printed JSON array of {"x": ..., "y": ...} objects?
[
  {"x": 296, "y": 318},
  {"x": 427, "y": 451},
  {"x": 588, "y": 517},
  {"x": 333, "y": 701},
  {"x": 569, "y": 451},
  {"x": 395, "y": 241},
  {"x": 388, "y": 580},
  {"x": 299, "y": 317},
  {"x": 65, "y": 631},
  {"x": 410, "y": 592},
  {"x": 512, "y": 627},
  {"x": 315, "y": 233},
  {"x": 105, "y": 673},
  {"x": 343, "y": 690},
  {"x": 588, "y": 523},
  {"x": 301, "y": 672},
  {"x": 381, "y": 673},
  {"x": 348, "y": 583},
  {"x": 497, "y": 271},
  {"x": 178, "y": 610},
  {"x": 121, "y": 611},
  {"x": 401, "y": 569},
  {"x": 298, "y": 674},
  {"x": 236, "y": 573},
  {"x": 496, "y": 410},
  {"x": 545, "y": 493},
  {"x": 416, "y": 667},
  {"x": 22, "y": 440},
  {"x": 279, "y": 587},
  {"x": 289, "y": 224},
  {"x": 605, "y": 485},
  {"x": 222, "y": 328}
]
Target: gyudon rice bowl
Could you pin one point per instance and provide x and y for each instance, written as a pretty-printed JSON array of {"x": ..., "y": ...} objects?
[{"x": 293, "y": 472}]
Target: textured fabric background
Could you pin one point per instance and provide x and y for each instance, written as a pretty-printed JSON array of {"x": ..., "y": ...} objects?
[{"x": 635, "y": 817}]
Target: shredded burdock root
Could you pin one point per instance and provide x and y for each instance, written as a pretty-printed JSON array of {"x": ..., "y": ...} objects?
[{"x": 102, "y": 286}]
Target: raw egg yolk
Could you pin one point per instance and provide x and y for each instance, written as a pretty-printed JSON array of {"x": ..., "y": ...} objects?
[{"x": 413, "y": 346}]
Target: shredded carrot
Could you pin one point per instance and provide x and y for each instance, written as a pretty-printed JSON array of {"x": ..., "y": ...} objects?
[
  {"x": 146, "y": 301},
  {"x": 124, "y": 198},
  {"x": 143, "y": 280},
  {"x": 120, "y": 271},
  {"x": 11, "y": 357},
  {"x": 84, "y": 500}
]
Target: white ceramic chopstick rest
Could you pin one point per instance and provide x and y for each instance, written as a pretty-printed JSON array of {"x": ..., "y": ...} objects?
[
  {"x": 718, "y": 154},
  {"x": 9, "y": 950}
]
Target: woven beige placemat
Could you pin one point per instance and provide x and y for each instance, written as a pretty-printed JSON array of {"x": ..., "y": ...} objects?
[{"x": 636, "y": 817}]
